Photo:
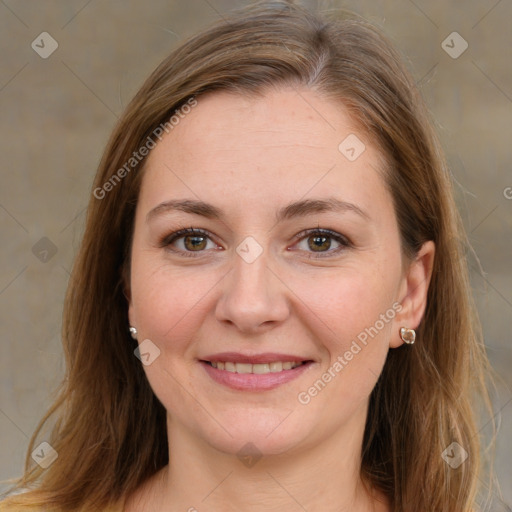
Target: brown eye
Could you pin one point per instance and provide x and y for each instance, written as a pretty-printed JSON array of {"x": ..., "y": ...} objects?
[
  {"x": 193, "y": 243},
  {"x": 188, "y": 241},
  {"x": 320, "y": 241}
]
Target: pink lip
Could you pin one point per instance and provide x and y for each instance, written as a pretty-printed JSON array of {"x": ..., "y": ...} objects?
[
  {"x": 253, "y": 381},
  {"x": 267, "y": 357}
]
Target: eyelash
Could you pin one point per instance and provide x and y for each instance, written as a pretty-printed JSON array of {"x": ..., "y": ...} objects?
[{"x": 342, "y": 240}]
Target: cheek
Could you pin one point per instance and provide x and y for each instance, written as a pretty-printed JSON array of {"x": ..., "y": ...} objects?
[
  {"x": 348, "y": 302},
  {"x": 351, "y": 315},
  {"x": 169, "y": 302},
  {"x": 169, "y": 305}
]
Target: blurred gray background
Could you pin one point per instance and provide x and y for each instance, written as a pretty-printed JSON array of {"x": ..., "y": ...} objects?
[{"x": 58, "y": 110}]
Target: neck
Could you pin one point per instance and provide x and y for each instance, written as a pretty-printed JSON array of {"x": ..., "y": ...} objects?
[{"x": 199, "y": 477}]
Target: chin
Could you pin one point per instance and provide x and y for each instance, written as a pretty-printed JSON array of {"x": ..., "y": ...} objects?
[{"x": 264, "y": 432}]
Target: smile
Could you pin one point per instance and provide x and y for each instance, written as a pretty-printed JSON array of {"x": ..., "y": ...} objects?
[
  {"x": 260, "y": 376},
  {"x": 260, "y": 369}
]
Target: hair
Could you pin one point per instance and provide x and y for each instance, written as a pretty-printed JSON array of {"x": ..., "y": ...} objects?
[{"x": 110, "y": 429}]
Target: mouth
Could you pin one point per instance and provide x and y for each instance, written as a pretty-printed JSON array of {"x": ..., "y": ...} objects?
[
  {"x": 256, "y": 373},
  {"x": 258, "y": 368}
]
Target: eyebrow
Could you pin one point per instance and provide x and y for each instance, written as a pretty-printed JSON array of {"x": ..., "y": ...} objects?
[{"x": 296, "y": 209}]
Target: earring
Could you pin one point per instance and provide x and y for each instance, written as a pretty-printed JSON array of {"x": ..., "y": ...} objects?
[
  {"x": 408, "y": 335},
  {"x": 133, "y": 332}
]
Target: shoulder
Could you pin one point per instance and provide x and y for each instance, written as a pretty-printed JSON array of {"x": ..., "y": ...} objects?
[
  {"x": 25, "y": 501},
  {"x": 8, "y": 506}
]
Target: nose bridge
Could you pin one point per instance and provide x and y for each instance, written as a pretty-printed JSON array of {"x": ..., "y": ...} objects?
[
  {"x": 250, "y": 272},
  {"x": 251, "y": 295}
]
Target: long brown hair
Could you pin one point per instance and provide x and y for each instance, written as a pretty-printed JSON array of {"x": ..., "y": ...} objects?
[{"x": 110, "y": 429}]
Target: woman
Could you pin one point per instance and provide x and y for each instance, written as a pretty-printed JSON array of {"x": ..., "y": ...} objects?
[{"x": 269, "y": 310}]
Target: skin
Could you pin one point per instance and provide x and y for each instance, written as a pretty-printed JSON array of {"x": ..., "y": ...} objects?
[{"x": 250, "y": 157}]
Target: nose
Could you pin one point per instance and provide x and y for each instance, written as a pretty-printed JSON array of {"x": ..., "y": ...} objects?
[{"x": 253, "y": 297}]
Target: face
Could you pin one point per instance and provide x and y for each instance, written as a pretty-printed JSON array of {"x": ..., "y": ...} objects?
[{"x": 291, "y": 255}]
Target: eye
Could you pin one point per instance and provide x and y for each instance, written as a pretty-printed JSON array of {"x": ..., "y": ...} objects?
[
  {"x": 319, "y": 242},
  {"x": 188, "y": 241}
]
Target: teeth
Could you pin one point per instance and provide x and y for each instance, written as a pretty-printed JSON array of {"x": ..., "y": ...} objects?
[
  {"x": 243, "y": 368},
  {"x": 276, "y": 367},
  {"x": 259, "y": 368}
]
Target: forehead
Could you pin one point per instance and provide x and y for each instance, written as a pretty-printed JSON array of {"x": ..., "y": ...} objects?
[
  {"x": 281, "y": 146},
  {"x": 286, "y": 116}
]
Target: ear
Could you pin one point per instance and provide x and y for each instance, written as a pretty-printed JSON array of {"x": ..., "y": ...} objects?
[
  {"x": 131, "y": 315},
  {"x": 413, "y": 292},
  {"x": 125, "y": 277}
]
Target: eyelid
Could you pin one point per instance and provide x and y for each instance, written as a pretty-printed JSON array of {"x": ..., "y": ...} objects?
[{"x": 323, "y": 231}]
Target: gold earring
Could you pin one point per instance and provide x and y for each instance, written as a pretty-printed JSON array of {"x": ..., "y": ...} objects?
[{"x": 408, "y": 335}]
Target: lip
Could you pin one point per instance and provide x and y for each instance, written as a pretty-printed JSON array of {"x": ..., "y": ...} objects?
[
  {"x": 266, "y": 357},
  {"x": 254, "y": 381}
]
